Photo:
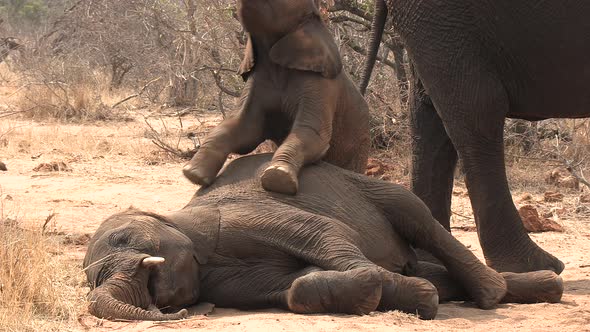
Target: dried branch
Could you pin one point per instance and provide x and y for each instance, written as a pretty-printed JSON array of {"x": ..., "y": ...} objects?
[
  {"x": 135, "y": 95},
  {"x": 569, "y": 166},
  {"x": 221, "y": 87},
  {"x": 175, "y": 151},
  {"x": 575, "y": 174},
  {"x": 220, "y": 104}
]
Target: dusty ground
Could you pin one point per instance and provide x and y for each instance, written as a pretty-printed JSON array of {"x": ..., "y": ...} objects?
[{"x": 114, "y": 166}]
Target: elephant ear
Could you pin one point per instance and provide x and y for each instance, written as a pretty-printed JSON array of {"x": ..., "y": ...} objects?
[
  {"x": 248, "y": 61},
  {"x": 201, "y": 224},
  {"x": 310, "y": 47}
]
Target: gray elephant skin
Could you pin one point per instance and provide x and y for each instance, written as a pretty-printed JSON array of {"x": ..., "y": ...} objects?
[
  {"x": 474, "y": 64},
  {"x": 296, "y": 94},
  {"x": 343, "y": 244}
]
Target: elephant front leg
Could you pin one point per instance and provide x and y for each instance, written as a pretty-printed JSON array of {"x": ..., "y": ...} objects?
[
  {"x": 307, "y": 290},
  {"x": 503, "y": 238},
  {"x": 307, "y": 142},
  {"x": 474, "y": 114},
  {"x": 239, "y": 134},
  {"x": 360, "y": 291},
  {"x": 433, "y": 156},
  {"x": 356, "y": 291}
]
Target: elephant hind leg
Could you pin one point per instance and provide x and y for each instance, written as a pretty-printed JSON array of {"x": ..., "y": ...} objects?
[
  {"x": 411, "y": 218},
  {"x": 528, "y": 287},
  {"x": 434, "y": 157},
  {"x": 356, "y": 291},
  {"x": 533, "y": 287},
  {"x": 448, "y": 289}
]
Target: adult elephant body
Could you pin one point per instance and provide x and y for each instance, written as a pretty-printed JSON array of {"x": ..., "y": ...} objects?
[
  {"x": 342, "y": 244},
  {"x": 474, "y": 64}
]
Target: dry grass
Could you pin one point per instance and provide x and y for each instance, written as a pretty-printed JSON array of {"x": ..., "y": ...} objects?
[
  {"x": 87, "y": 142},
  {"x": 83, "y": 97},
  {"x": 84, "y": 143},
  {"x": 38, "y": 288}
]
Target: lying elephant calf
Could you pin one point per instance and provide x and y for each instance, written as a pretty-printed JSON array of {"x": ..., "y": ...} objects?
[{"x": 343, "y": 244}]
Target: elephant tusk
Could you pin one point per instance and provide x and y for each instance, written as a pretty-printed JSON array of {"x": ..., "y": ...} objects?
[{"x": 152, "y": 261}]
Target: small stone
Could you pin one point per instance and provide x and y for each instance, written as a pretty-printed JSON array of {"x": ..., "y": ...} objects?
[
  {"x": 553, "y": 176},
  {"x": 54, "y": 166},
  {"x": 558, "y": 211},
  {"x": 3, "y": 167},
  {"x": 558, "y": 178},
  {"x": 551, "y": 196},
  {"x": 525, "y": 197},
  {"x": 534, "y": 223},
  {"x": 569, "y": 182}
]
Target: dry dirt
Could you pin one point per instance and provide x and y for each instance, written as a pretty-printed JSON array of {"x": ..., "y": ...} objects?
[{"x": 113, "y": 166}]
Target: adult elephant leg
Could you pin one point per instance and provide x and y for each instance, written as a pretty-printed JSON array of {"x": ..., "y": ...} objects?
[
  {"x": 433, "y": 156},
  {"x": 477, "y": 132}
]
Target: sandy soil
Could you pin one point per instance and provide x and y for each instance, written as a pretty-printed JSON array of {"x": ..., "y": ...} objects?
[{"x": 104, "y": 182}]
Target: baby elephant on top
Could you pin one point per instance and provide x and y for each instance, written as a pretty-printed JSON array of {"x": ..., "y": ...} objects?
[
  {"x": 343, "y": 244},
  {"x": 296, "y": 95}
]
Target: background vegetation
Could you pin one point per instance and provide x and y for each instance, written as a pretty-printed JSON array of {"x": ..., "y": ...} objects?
[{"x": 107, "y": 61}]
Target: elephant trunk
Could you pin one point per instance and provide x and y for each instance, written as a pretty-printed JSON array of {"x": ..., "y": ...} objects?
[
  {"x": 377, "y": 27},
  {"x": 104, "y": 305}
]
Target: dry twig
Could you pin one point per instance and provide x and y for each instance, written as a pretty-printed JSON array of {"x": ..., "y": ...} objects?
[{"x": 135, "y": 95}]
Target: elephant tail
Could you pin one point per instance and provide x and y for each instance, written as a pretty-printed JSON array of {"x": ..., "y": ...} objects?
[
  {"x": 104, "y": 305},
  {"x": 377, "y": 27}
]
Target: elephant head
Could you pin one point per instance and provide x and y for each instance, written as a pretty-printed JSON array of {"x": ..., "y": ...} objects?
[
  {"x": 293, "y": 34},
  {"x": 138, "y": 261}
]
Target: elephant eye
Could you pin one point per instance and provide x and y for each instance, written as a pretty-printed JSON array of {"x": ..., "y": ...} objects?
[{"x": 120, "y": 239}]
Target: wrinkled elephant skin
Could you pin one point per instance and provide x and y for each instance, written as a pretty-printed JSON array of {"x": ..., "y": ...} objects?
[
  {"x": 295, "y": 95},
  {"x": 475, "y": 63},
  {"x": 343, "y": 244}
]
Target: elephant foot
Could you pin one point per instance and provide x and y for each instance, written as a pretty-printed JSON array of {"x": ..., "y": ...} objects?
[
  {"x": 534, "y": 259},
  {"x": 356, "y": 291},
  {"x": 280, "y": 179},
  {"x": 409, "y": 294},
  {"x": 196, "y": 175},
  {"x": 202, "y": 169},
  {"x": 533, "y": 287},
  {"x": 489, "y": 290}
]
